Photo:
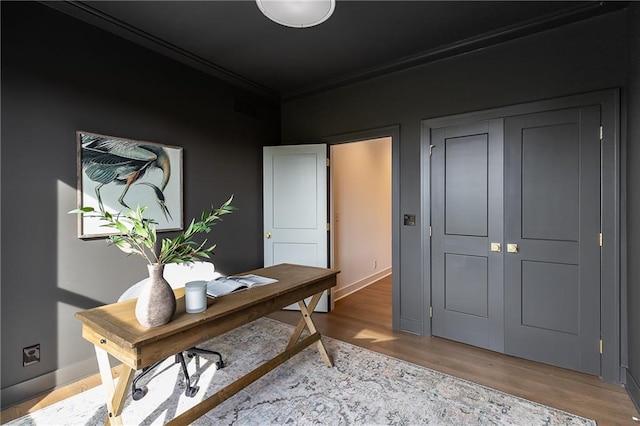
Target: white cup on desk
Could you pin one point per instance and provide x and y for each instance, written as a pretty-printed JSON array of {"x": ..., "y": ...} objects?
[{"x": 195, "y": 295}]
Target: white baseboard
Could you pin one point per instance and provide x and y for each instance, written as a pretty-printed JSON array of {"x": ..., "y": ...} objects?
[
  {"x": 30, "y": 388},
  {"x": 348, "y": 289}
]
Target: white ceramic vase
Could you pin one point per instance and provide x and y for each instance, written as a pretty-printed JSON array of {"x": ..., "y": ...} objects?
[{"x": 156, "y": 302}]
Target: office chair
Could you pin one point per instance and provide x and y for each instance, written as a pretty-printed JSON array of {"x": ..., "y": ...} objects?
[{"x": 177, "y": 275}]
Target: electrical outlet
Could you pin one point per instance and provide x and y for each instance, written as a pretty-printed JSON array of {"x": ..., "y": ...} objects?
[{"x": 31, "y": 355}]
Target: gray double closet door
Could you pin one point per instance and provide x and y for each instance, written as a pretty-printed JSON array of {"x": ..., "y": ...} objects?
[{"x": 515, "y": 213}]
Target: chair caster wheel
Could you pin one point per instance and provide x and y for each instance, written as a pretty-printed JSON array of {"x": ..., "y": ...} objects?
[
  {"x": 137, "y": 394},
  {"x": 192, "y": 391}
]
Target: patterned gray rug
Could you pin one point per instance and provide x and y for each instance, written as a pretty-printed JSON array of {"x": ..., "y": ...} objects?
[{"x": 364, "y": 388}]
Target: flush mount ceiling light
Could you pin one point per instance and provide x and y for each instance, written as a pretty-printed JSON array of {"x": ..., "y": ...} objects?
[{"x": 297, "y": 13}]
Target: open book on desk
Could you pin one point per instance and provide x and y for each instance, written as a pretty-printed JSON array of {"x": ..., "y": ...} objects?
[{"x": 225, "y": 285}]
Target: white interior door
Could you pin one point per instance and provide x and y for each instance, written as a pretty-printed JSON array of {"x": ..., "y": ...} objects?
[{"x": 295, "y": 207}]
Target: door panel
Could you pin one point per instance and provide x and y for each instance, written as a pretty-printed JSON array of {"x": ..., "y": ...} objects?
[
  {"x": 295, "y": 207},
  {"x": 295, "y": 190},
  {"x": 552, "y": 213},
  {"x": 466, "y": 287},
  {"x": 539, "y": 279},
  {"x": 298, "y": 253},
  {"x": 467, "y": 292},
  {"x": 466, "y": 185}
]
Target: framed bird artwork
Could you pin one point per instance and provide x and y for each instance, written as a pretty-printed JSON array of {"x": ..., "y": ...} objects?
[{"x": 116, "y": 174}]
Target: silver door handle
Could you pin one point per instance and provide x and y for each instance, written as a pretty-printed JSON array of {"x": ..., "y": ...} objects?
[{"x": 512, "y": 248}]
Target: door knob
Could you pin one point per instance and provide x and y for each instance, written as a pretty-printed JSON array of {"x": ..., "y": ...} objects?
[
  {"x": 267, "y": 235},
  {"x": 496, "y": 247},
  {"x": 512, "y": 248}
]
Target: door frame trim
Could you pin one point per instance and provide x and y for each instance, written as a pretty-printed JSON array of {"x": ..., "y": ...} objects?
[
  {"x": 393, "y": 132},
  {"x": 613, "y": 253}
]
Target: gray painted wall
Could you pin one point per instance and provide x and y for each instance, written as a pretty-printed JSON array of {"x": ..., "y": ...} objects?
[
  {"x": 60, "y": 75},
  {"x": 587, "y": 56},
  {"x": 633, "y": 193}
]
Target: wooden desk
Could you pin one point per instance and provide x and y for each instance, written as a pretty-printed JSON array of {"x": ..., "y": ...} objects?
[{"x": 114, "y": 330}]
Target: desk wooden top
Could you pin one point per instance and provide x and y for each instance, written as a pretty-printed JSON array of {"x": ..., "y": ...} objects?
[{"x": 115, "y": 328}]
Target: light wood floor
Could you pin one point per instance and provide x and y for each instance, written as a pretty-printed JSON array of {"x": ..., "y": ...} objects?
[{"x": 364, "y": 319}]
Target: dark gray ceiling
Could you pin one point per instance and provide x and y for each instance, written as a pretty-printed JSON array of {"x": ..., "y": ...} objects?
[{"x": 234, "y": 41}]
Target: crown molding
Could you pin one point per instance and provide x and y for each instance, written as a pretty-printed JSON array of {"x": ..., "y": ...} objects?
[
  {"x": 84, "y": 12},
  {"x": 578, "y": 12}
]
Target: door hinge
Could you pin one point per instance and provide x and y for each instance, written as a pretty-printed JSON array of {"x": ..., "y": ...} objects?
[
  {"x": 430, "y": 231},
  {"x": 328, "y": 161},
  {"x": 600, "y": 345},
  {"x": 431, "y": 150},
  {"x": 601, "y": 132},
  {"x": 601, "y": 239},
  {"x": 328, "y": 227},
  {"x": 430, "y": 311}
]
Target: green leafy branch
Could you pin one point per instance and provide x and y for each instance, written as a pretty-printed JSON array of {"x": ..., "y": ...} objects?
[
  {"x": 182, "y": 248},
  {"x": 137, "y": 234}
]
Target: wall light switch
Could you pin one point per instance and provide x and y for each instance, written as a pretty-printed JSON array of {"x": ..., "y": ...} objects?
[{"x": 409, "y": 220}]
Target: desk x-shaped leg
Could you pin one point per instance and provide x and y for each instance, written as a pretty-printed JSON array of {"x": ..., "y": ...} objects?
[
  {"x": 306, "y": 321},
  {"x": 116, "y": 394},
  {"x": 294, "y": 346}
]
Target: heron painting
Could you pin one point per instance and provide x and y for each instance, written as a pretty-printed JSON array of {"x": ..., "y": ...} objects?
[{"x": 115, "y": 174}]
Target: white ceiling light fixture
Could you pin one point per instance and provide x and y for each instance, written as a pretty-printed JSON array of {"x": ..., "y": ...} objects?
[{"x": 297, "y": 13}]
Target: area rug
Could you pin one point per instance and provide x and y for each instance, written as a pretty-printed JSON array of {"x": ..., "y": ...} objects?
[{"x": 364, "y": 388}]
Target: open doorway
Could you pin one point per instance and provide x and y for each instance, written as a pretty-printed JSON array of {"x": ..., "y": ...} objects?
[{"x": 361, "y": 222}]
